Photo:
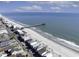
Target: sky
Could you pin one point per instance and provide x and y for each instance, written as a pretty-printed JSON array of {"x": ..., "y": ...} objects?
[{"x": 42, "y": 6}]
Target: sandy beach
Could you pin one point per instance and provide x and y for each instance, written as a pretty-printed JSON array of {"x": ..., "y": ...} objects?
[{"x": 57, "y": 48}]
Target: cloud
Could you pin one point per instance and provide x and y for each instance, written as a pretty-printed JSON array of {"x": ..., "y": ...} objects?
[
  {"x": 71, "y": 4},
  {"x": 56, "y": 9},
  {"x": 66, "y": 4},
  {"x": 37, "y": 8},
  {"x": 30, "y": 8},
  {"x": 49, "y": 6},
  {"x": 6, "y": 1},
  {"x": 75, "y": 5},
  {"x": 39, "y": 2}
]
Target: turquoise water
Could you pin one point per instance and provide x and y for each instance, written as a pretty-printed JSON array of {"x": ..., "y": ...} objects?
[{"x": 63, "y": 25}]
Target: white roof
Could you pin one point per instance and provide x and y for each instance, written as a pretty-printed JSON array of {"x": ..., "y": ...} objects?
[
  {"x": 26, "y": 38},
  {"x": 20, "y": 31},
  {"x": 4, "y": 55},
  {"x": 3, "y": 31},
  {"x": 9, "y": 24},
  {"x": 49, "y": 55},
  {"x": 36, "y": 45},
  {"x": 44, "y": 53},
  {"x": 41, "y": 46},
  {"x": 33, "y": 43},
  {"x": 16, "y": 52}
]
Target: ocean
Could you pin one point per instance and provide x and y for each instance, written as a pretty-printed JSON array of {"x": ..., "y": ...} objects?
[{"x": 61, "y": 25}]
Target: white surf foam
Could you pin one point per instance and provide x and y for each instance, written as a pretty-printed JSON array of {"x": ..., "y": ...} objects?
[{"x": 69, "y": 42}]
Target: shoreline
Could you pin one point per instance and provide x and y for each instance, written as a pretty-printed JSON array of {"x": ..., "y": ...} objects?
[
  {"x": 55, "y": 46},
  {"x": 58, "y": 40}
]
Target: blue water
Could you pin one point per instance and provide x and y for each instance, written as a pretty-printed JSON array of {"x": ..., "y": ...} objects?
[{"x": 63, "y": 25}]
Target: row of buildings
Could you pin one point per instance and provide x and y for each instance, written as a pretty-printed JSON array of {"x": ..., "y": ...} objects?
[{"x": 32, "y": 46}]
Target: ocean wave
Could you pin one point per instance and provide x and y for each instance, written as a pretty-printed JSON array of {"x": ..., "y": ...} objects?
[{"x": 69, "y": 42}]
